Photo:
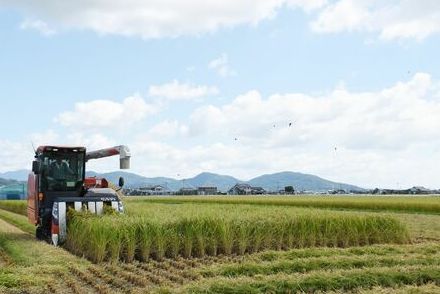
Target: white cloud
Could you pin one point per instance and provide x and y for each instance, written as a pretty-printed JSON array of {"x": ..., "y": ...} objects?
[
  {"x": 386, "y": 137},
  {"x": 39, "y": 26},
  {"x": 176, "y": 90},
  {"x": 357, "y": 120},
  {"x": 15, "y": 155},
  {"x": 167, "y": 129},
  {"x": 106, "y": 114},
  {"x": 92, "y": 141},
  {"x": 48, "y": 137},
  {"x": 396, "y": 20},
  {"x": 19, "y": 154},
  {"x": 221, "y": 66},
  {"x": 379, "y": 136},
  {"x": 154, "y": 18}
]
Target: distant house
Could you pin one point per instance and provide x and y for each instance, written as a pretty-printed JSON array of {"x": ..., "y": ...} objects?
[
  {"x": 337, "y": 191},
  {"x": 240, "y": 189},
  {"x": 154, "y": 190},
  {"x": 207, "y": 190},
  {"x": 148, "y": 190},
  {"x": 187, "y": 191},
  {"x": 414, "y": 190},
  {"x": 419, "y": 190},
  {"x": 245, "y": 189}
]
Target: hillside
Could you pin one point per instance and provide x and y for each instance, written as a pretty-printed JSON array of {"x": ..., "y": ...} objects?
[
  {"x": 8, "y": 182},
  {"x": 299, "y": 181},
  {"x": 270, "y": 182},
  {"x": 18, "y": 175}
]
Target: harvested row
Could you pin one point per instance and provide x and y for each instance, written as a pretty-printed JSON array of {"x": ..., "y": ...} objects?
[
  {"x": 426, "y": 288},
  {"x": 343, "y": 280},
  {"x": 428, "y": 204},
  {"x": 376, "y": 250},
  {"x": 112, "y": 238},
  {"x": 304, "y": 265}
]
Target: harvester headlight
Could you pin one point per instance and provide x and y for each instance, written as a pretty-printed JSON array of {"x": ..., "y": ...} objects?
[
  {"x": 120, "y": 207},
  {"x": 55, "y": 212}
]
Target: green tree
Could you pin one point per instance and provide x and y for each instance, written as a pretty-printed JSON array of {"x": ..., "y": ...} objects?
[{"x": 289, "y": 189}]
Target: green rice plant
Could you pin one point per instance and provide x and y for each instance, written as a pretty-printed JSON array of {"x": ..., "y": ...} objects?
[
  {"x": 129, "y": 243},
  {"x": 225, "y": 237},
  {"x": 145, "y": 234},
  {"x": 173, "y": 241},
  {"x": 98, "y": 236},
  {"x": 212, "y": 229},
  {"x": 259, "y": 230},
  {"x": 203, "y": 230},
  {"x": 242, "y": 236},
  {"x": 187, "y": 228},
  {"x": 199, "y": 238},
  {"x": 159, "y": 241},
  {"x": 114, "y": 245}
]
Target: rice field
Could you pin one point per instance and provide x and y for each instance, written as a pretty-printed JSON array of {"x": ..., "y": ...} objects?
[
  {"x": 187, "y": 246},
  {"x": 17, "y": 206},
  {"x": 415, "y": 204}
]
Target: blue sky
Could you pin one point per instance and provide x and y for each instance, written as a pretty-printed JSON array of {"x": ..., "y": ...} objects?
[{"x": 200, "y": 87}]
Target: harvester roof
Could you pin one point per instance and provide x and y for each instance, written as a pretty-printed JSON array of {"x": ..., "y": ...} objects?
[{"x": 42, "y": 149}]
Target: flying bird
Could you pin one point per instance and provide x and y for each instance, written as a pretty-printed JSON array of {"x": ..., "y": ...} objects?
[{"x": 290, "y": 124}]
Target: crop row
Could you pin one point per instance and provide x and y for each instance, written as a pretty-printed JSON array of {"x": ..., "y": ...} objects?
[
  {"x": 429, "y": 204},
  {"x": 142, "y": 237},
  {"x": 303, "y": 265},
  {"x": 342, "y": 280}
]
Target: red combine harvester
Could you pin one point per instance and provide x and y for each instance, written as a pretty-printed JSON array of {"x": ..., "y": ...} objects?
[{"x": 58, "y": 182}]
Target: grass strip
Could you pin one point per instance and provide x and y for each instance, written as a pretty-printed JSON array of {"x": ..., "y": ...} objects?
[
  {"x": 381, "y": 250},
  {"x": 17, "y": 220},
  {"x": 16, "y": 206},
  {"x": 322, "y": 263},
  {"x": 344, "y": 280}
]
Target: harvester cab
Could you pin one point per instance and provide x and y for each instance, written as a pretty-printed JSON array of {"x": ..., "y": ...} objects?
[{"x": 58, "y": 182}]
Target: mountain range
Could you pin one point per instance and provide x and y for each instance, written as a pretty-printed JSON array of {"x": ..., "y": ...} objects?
[
  {"x": 18, "y": 175},
  {"x": 270, "y": 182}
]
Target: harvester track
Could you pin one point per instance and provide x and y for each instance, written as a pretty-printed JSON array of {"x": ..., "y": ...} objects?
[{"x": 90, "y": 279}]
